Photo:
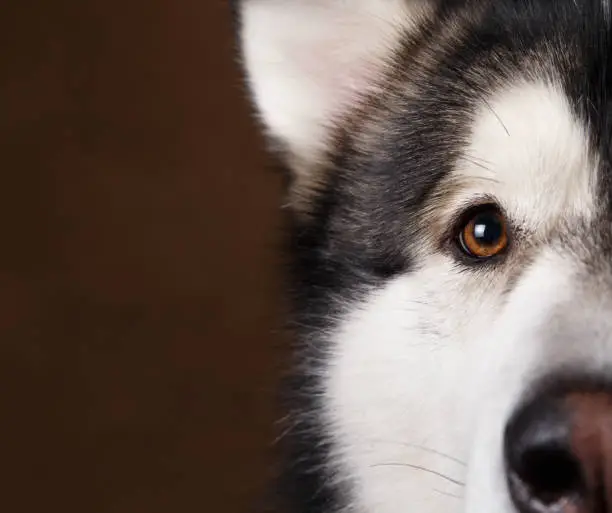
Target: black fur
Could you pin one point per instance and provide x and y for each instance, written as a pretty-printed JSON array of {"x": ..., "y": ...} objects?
[{"x": 362, "y": 225}]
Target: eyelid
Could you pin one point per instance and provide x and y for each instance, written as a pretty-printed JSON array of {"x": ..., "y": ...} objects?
[{"x": 468, "y": 210}]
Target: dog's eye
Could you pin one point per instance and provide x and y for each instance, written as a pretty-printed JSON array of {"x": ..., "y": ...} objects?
[{"x": 485, "y": 234}]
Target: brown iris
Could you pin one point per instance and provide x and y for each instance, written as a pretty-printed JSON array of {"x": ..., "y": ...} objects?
[{"x": 485, "y": 234}]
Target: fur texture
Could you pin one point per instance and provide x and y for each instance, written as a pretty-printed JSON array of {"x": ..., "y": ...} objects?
[{"x": 394, "y": 118}]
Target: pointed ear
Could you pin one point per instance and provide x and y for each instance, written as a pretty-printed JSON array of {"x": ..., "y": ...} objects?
[{"x": 309, "y": 62}]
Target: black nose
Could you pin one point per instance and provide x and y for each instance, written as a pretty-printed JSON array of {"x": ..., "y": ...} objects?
[{"x": 558, "y": 450}]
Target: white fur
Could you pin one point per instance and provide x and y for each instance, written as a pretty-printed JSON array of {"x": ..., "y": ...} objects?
[
  {"x": 309, "y": 61},
  {"x": 532, "y": 155},
  {"x": 424, "y": 374}
]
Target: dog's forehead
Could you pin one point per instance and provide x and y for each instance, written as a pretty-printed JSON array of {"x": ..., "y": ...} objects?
[
  {"x": 540, "y": 128},
  {"x": 529, "y": 150},
  {"x": 516, "y": 104}
]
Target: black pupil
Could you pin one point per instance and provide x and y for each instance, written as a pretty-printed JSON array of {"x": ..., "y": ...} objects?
[{"x": 488, "y": 229}]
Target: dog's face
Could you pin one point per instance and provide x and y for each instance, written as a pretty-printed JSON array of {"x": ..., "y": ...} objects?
[{"x": 451, "y": 205}]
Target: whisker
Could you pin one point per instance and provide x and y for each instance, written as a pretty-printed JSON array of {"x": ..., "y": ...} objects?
[
  {"x": 465, "y": 180},
  {"x": 447, "y": 494},
  {"x": 431, "y": 451},
  {"x": 477, "y": 157},
  {"x": 422, "y": 469},
  {"x": 472, "y": 160},
  {"x": 496, "y": 115},
  {"x": 482, "y": 164}
]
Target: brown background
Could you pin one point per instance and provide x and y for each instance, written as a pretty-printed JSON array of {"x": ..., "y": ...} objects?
[{"x": 138, "y": 289}]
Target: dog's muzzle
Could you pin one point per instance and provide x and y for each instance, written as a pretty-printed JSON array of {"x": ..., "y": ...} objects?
[{"x": 558, "y": 449}]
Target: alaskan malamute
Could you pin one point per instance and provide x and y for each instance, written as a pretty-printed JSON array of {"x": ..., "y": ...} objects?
[{"x": 450, "y": 206}]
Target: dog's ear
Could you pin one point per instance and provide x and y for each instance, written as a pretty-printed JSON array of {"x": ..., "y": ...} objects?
[{"x": 309, "y": 62}]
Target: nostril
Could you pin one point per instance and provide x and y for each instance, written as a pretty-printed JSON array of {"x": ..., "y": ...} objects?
[
  {"x": 542, "y": 470},
  {"x": 558, "y": 448},
  {"x": 547, "y": 475}
]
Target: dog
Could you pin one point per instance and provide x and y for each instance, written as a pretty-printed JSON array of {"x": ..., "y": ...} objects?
[{"x": 449, "y": 203}]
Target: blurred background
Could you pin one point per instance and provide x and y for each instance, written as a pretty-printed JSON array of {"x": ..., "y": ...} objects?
[{"x": 139, "y": 291}]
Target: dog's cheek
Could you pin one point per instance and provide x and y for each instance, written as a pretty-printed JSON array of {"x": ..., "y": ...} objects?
[{"x": 395, "y": 395}]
